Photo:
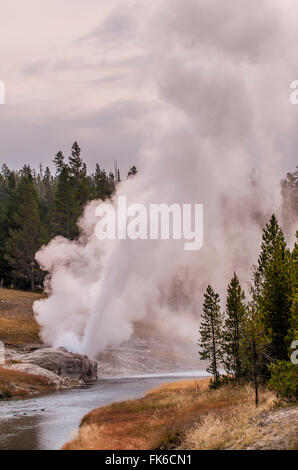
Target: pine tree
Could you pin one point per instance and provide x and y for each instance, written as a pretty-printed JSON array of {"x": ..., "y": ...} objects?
[
  {"x": 65, "y": 208},
  {"x": 59, "y": 162},
  {"x": 275, "y": 300},
  {"x": 112, "y": 183},
  {"x": 102, "y": 186},
  {"x": 272, "y": 236},
  {"x": 8, "y": 208},
  {"x": 270, "y": 288},
  {"x": 26, "y": 238},
  {"x": 76, "y": 163},
  {"x": 233, "y": 327},
  {"x": 293, "y": 330},
  {"x": 210, "y": 333},
  {"x": 78, "y": 173}
]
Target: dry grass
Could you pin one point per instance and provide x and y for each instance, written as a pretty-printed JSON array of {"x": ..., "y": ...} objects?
[
  {"x": 15, "y": 383},
  {"x": 17, "y": 323},
  {"x": 229, "y": 426},
  {"x": 168, "y": 417}
]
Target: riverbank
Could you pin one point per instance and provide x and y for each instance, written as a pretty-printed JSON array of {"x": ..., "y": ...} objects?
[
  {"x": 24, "y": 380},
  {"x": 16, "y": 383},
  {"x": 47, "y": 420},
  {"x": 184, "y": 415}
]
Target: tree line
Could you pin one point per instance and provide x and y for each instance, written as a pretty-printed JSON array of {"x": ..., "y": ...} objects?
[
  {"x": 253, "y": 339},
  {"x": 36, "y": 206}
]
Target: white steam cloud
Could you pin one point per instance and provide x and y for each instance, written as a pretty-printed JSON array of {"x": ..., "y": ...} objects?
[{"x": 223, "y": 72}]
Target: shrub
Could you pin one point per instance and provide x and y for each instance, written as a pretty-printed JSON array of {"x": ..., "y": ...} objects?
[
  {"x": 222, "y": 380},
  {"x": 284, "y": 379}
]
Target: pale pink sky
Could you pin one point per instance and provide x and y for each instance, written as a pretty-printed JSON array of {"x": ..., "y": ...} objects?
[
  {"x": 71, "y": 71},
  {"x": 85, "y": 71}
]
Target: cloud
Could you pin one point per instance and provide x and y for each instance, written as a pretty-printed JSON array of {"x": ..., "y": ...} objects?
[
  {"x": 113, "y": 115},
  {"x": 115, "y": 27},
  {"x": 245, "y": 31},
  {"x": 63, "y": 61},
  {"x": 61, "y": 88}
]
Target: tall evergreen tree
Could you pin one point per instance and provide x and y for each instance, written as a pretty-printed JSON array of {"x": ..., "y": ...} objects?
[
  {"x": 28, "y": 234},
  {"x": 102, "y": 186},
  {"x": 233, "y": 327},
  {"x": 112, "y": 183},
  {"x": 275, "y": 300},
  {"x": 46, "y": 190},
  {"x": 81, "y": 182},
  {"x": 210, "y": 333},
  {"x": 65, "y": 208},
  {"x": 272, "y": 235},
  {"x": 271, "y": 290},
  {"x": 59, "y": 162},
  {"x": 76, "y": 165},
  {"x": 7, "y": 209},
  {"x": 293, "y": 330}
]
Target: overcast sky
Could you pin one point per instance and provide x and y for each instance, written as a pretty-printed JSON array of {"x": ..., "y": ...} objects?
[
  {"x": 71, "y": 71},
  {"x": 80, "y": 71}
]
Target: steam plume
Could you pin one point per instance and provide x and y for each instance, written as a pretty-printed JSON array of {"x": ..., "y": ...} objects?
[{"x": 222, "y": 71}]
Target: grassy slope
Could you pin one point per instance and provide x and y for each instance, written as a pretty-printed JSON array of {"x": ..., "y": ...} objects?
[
  {"x": 17, "y": 323},
  {"x": 15, "y": 383},
  {"x": 183, "y": 414}
]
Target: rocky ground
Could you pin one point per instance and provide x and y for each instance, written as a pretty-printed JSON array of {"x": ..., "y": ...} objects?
[
  {"x": 275, "y": 430},
  {"x": 58, "y": 361},
  {"x": 149, "y": 354}
]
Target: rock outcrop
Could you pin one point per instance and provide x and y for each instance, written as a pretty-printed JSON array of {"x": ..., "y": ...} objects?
[{"x": 62, "y": 363}]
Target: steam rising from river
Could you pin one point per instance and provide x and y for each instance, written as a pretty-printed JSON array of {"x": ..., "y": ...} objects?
[{"x": 223, "y": 72}]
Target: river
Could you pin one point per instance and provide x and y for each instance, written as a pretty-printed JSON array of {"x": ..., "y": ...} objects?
[{"x": 47, "y": 421}]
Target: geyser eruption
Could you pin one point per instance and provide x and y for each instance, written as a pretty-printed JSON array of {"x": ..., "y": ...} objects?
[{"x": 222, "y": 71}]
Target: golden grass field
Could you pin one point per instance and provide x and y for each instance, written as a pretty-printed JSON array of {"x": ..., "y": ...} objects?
[
  {"x": 185, "y": 415},
  {"x": 17, "y": 323},
  {"x": 15, "y": 383}
]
